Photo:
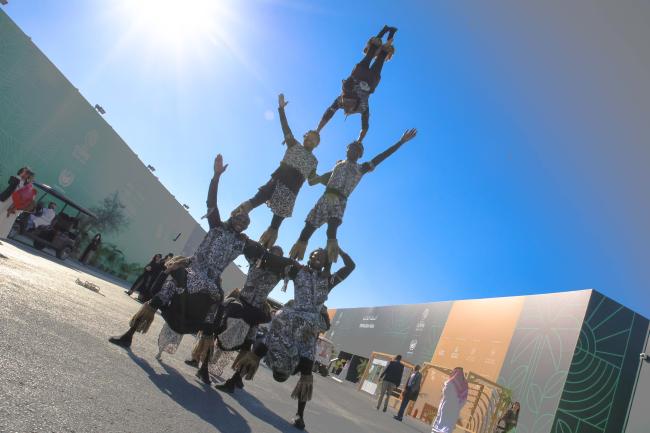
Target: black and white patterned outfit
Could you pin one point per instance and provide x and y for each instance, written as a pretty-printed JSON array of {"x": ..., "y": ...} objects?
[
  {"x": 342, "y": 181},
  {"x": 202, "y": 293},
  {"x": 294, "y": 330},
  {"x": 244, "y": 314},
  {"x": 361, "y": 83},
  {"x": 298, "y": 164}
]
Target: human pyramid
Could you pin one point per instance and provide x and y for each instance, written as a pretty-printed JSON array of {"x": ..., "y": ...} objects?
[{"x": 192, "y": 301}]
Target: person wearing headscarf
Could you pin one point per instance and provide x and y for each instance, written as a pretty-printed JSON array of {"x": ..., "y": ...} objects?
[
  {"x": 290, "y": 344},
  {"x": 340, "y": 183},
  {"x": 454, "y": 397},
  {"x": 280, "y": 192},
  {"x": 191, "y": 296},
  {"x": 363, "y": 81}
]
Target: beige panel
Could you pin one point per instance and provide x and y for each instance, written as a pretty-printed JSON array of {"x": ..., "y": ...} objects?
[{"x": 476, "y": 337}]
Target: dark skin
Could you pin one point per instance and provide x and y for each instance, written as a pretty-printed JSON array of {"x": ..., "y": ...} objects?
[
  {"x": 351, "y": 104},
  {"x": 355, "y": 151},
  {"x": 353, "y": 154},
  {"x": 318, "y": 261},
  {"x": 239, "y": 222}
]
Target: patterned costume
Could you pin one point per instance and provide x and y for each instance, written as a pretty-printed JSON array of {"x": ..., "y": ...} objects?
[
  {"x": 280, "y": 192},
  {"x": 218, "y": 249},
  {"x": 244, "y": 314},
  {"x": 290, "y": 345},
  {"x": 362, "y": 82},
  {"x": 294, "y": 330},
  {"x": 342, "y": 181},
  {"x": 191, "y": 296}
]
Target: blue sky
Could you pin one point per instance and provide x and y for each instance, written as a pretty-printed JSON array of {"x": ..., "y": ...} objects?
[{"x": 529, "y": 173}]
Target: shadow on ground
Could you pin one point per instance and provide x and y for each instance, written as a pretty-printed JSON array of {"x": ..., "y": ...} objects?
[{"x": 206, "y": 402}]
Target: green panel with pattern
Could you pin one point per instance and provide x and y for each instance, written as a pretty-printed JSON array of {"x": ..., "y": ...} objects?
[{"x": 600, "y": 382}]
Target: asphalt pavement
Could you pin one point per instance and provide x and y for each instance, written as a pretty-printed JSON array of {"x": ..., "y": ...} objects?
[{"x": 59, "y": 374}]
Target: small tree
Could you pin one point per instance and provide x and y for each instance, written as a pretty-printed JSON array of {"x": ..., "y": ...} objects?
[
  {"x": 110, "y": 219},
  {"x": 110, "y": 215},
  {"x": 361, "y": 368}
]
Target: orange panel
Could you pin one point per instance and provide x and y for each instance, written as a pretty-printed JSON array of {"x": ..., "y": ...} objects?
[
  {"x": 331, "y": 312},
  {"x": 477, "y": 335}
]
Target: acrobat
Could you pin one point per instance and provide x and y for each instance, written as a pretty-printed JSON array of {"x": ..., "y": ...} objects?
[
  {"x": 340, "y": 183},
  {"x": 280, "y": 192},
  {"x": 363, "y": 81},
  {"x": 290, "y": 345}
]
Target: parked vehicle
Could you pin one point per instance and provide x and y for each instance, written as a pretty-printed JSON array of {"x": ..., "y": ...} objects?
[{"x": 62, "y": 235}]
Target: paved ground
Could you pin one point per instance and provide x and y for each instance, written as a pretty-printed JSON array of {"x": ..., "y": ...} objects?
[{"x": 59, "y": 374}]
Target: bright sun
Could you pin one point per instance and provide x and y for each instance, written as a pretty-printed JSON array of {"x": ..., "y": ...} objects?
[{"x": 174, "y": 23}]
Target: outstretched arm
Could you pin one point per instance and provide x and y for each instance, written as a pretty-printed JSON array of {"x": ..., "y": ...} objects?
[
  {"x": 329, "y": 113},
  {"x": 344, "y": 272},
  {"x": 323, "y": 178},
  {"x": 214, "y": 219},
  {"x": 374, "y": 162},
  {"x": 254, "y": 250},
  {"x": 365, "y": 124},
  {"x": 281, "y": 265},
  {"x": 288, "y": 135}
]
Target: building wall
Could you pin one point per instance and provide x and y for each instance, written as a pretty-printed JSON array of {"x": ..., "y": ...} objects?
[
  {"x": 410, "y": 330},
  {"x": 46, "y": 123},
  {"x": 540, "y": 355},
  {"x": 598, "y": 389},
  {"x": 639, "y": 418},
  {"x": 571, "y": 359}
]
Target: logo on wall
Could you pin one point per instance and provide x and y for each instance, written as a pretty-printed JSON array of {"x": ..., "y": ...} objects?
[
  {"x": 81, "y": 152},
  {"x": 422, "y": 323},
  {"x": 66, "y": 177},
  {"x": 412, "y": 346},
  {"x": 366, "y": 319}
]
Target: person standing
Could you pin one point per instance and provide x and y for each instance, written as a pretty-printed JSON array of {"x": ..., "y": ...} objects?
[
  {"x": 145, "y": 277},
  {"x": 411, "y": 391},
  {"x": 279, "y": 193},
  {"x": 391, "y": 377},
  {"x": 508, "y": 421},
  {"x": 454, "y": 396},
  {"x": 17, "y": 197},
  {"x": 160, "y": 278},
  {"x": 14, "y": 183},
  {"x": 89, "y": 252},
  {"x": 339, "y": 184}
]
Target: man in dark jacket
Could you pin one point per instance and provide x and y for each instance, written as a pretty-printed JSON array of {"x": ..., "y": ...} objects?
[
  {"x": 411, "y": 391},
  {"x": 391, "y": 377}
]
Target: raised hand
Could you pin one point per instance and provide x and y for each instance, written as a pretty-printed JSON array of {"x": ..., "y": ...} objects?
[
  {"x": 281, "y": 102},
  {"x": 408, "y": 135},
  {"x": 219, "y": 167}
]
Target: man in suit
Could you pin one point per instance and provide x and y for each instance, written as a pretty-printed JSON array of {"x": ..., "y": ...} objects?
[
  {"x": 391, "y": 377},
  {"x": 411, "y": 391}
]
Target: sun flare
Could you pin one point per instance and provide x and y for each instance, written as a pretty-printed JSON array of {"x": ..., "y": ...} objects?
[{"x": 174, "y": 23}]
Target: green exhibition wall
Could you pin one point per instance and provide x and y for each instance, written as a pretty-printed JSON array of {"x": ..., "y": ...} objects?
[
  {"x": 46, "y": 123},
  {"x": 572, "y": 361},
  {"x": 599, "y": 388}
]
